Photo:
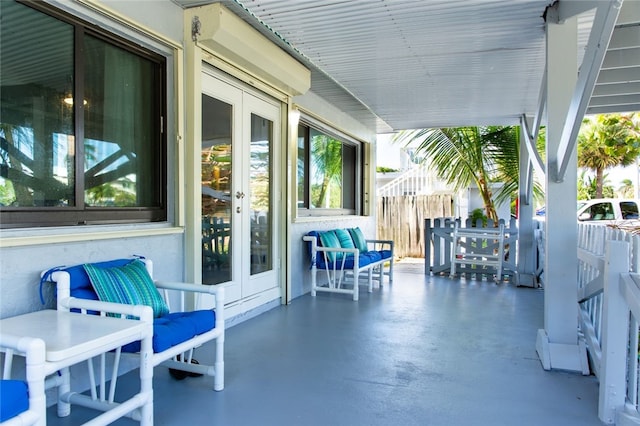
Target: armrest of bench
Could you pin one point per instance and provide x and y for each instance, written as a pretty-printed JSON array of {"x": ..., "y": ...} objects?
[
  {"x": 217, "y": 291},
  {"x": 145, "y": 313},
  {"x": 381, "y": 243}
]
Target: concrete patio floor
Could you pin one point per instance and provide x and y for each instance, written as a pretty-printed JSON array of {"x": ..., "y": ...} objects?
[{"x": 425, "y": 350}]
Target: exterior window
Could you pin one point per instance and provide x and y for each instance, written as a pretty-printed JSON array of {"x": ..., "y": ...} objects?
[
  {"x": 629, "y": 209},
  {"x": 81, "y": 137},
  {"x": 328, "y": 173},
  {"x": 599, "y": 211}
]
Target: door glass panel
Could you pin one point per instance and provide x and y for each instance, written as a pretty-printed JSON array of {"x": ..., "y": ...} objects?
[
  {"x": 260, "y": 199},
  {"x": 216, "y": 190}
]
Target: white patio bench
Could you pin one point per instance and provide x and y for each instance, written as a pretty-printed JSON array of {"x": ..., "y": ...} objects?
[{"x": 344, "y": 254}]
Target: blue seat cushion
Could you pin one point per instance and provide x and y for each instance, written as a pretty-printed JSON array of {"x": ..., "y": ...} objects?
[
  {"x": 363, "y": 260},
  {"x": 14, "y": 398},
  {"x": 177, "y": 327},
  {"x": 385, "y": 254},
  {"x": 79, "y": 279}
]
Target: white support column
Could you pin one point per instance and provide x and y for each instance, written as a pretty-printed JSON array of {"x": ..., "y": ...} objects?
[
  {"x": 526, "y": 243},
  {"x": 557, "y": 344}
]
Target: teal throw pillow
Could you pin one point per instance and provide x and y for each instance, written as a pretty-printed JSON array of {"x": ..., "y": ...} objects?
[
  {"x": 329, "y": 239},
  {"x": 358, "y": 239},
  {"x": 129, "y": 284},
  {"x": 344, "y": 238}
]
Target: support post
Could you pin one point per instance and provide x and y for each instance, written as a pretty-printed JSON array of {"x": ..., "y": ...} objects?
[
  {"x": 558, "y": 345},
  {"x": 526, "y": 261}
]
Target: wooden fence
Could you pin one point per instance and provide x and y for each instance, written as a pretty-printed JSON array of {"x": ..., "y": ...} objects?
[
  {"x": 401, "y": 219},
  {"x": 439, "y": 242}
]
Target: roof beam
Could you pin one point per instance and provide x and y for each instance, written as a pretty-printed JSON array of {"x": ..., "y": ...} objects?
[
  {"x": 622, "y": 58},
  {"x": 601, "y": 101},
  {"x": 613, "y": 89},
  {"x": 601, "y": 30},
  {"x": 613, "y": 109},
  {"x": 530, "y": 142},
  {"x": 619, "y": 75},
  {"x": 560, "y": 11},
  {"x": 630, "y": 13},
  {"x": 530, "y": 138},
  {"x": 625, "y": 37}
]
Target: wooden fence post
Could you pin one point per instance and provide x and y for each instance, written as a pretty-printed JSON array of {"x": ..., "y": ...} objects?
[{"x": 427, "y": 246}]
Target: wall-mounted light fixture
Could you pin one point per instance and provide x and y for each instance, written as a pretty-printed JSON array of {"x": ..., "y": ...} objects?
[{"x": 68, "y": 100}]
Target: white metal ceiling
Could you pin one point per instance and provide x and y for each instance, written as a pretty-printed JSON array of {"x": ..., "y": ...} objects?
[{"x": 437, "y": 63}]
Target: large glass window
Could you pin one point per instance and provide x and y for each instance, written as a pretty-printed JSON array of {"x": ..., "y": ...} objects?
[
  {"x": 328, "y": 173},
  {"x": 81, "y": 127}
]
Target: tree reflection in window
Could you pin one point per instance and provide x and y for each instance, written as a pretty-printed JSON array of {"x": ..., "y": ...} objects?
[{"x": 326, "y": 171}]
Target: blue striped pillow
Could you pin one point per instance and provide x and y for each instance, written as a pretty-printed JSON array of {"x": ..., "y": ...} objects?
[
  {"x": 129, "y": 284},
  {"x": 329, "y": 239},
  {"x": 344, "y": 237},
  {"x": 358, "y": 239}
]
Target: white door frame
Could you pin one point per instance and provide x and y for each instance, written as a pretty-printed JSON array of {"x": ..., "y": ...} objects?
[{"x": 245, "y": 291}]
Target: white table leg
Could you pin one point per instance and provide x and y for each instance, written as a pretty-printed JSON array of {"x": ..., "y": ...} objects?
[{"x": 64, "y": 408}]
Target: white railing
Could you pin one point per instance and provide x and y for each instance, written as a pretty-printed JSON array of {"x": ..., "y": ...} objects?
[
  {"x": 415, "y": 181},
  {"x": 609, "y": 301}
]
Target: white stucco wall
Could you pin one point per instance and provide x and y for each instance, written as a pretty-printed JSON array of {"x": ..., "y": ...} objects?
[{"x": 20, "y": 267}]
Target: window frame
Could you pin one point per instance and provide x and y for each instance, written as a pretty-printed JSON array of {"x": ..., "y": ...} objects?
[
  {"x": 354, "y": 196},
  {"x": 80, "y": 213}
]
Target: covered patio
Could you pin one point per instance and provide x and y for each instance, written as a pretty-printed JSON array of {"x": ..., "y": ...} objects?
[{"x": 425, "y": 350}]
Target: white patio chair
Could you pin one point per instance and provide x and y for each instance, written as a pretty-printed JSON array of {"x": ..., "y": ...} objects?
[
  {"x": 22, "y": 402},
  {"x": 176, "y": 334}
]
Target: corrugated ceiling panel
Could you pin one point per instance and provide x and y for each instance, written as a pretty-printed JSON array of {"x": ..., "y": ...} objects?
[
  {"x": 396, "y": 56},
  {"x": 428, "y": 63}
]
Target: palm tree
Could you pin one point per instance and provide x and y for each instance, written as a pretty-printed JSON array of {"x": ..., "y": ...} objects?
[
  {"x": 626, "y": 190},
  {"x": 587, "y": 187},
  {"x": 606, "y": 141},
  {"x": 466, "y": 155}
]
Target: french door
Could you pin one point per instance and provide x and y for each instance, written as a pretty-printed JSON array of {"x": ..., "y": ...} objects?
[{"x": 240, "y": 131}]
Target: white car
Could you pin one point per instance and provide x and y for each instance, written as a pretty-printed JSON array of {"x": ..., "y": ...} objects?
[{"x": 608, "y": 210}]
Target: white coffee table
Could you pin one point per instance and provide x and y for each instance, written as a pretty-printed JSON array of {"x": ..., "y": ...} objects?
[{"x": 71, "y": 338}]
